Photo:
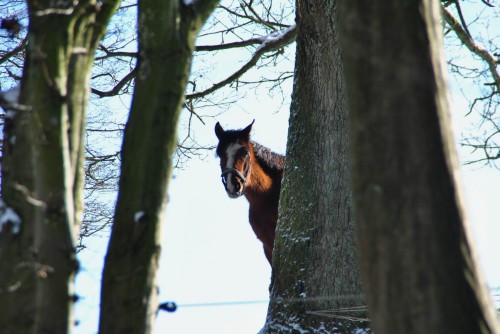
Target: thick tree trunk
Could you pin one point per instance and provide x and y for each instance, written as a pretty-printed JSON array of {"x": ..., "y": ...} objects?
[
  {"x": 41, "y": 171},
  {"x": 418, "y": 263},
  {"x": 315, "y": 272},
  {"x": 167, "y": 30}
]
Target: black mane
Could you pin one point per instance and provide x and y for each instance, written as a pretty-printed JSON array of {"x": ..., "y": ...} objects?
[{"x": 270, "y": 161}]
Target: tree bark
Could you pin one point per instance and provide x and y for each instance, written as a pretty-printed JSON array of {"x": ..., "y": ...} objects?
[
  {"x": 315, "y": 272},
  {"x": 418, "y": 262},
  {"x": 41, "y": 171},
  {"x": 167, "y": 30}
]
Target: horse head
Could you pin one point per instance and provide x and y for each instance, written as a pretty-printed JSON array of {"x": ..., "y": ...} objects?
[{"x": 235, "y": 151}]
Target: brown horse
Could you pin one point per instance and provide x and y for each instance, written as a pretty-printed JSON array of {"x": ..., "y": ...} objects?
[{"x": 252, "y": 170}]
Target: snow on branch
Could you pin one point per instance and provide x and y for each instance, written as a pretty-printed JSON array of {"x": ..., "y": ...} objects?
[
  {"x": 9, "y": 101},
  {"x": 9, "y": 216},
  {"x": 272, "y": 42},
  {"x": 138, "y": 216},
  {"x": 474, "y": 47}
]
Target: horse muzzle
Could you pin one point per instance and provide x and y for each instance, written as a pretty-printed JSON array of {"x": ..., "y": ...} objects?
[
  {"x": 234, "y": 194},
  {"x": 236, "y": 188},
  {"x": 234, "y": 182}
]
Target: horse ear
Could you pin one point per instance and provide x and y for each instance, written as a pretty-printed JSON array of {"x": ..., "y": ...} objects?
[
  {"x": 219, "y": 131},
  {"x": 246, "y": 131}
]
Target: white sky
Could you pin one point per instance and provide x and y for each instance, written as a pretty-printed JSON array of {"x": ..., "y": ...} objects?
[{"x": 210, "y": 254}]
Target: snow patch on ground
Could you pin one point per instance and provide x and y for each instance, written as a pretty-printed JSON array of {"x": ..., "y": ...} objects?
[{"x": 293, "y": 325}]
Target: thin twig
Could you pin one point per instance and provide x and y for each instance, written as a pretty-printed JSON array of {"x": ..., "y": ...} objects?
[
  {"x": 15, "y": 51},
  {"x": 267, "y": 45},
  {"x": 125, "y": 80}
]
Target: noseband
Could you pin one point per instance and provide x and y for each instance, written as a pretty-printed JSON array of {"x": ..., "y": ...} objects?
[{"x": 243, "y": 177}]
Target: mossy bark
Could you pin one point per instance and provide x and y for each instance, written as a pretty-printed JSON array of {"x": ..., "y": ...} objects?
[
  {"x": 167, "y": 30},
  {"x": 418, "y": 262},
  {"x": 315, "y": 266},
  {"x": 42, "y": 164}
]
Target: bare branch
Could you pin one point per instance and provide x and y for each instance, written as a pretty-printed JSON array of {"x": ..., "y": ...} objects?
[
  {"x": 487, "y": 3},
  {"x": 126, "y": 79},
  {"x": 251, "y": 41},
  {"x": 15, "y": 51},
  {"x": 271, "y": 43},
  {"x": 115, "y": 54},
  {"x": 478, "y": 50},
  {"x": 258, "y": 20}
]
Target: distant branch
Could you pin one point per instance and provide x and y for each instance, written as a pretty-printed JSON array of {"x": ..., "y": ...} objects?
[
  {"x": 270, "y": 43},
  {"x": 126, "y": 79},
  {"x": 487, "y": 3},
  {"x": 258, "y": 20},
  {"x": 251, "y": 41},
  {"x": 487, "y": 151},
  {"x": 115, "y": 54},
  {"x": 478, "y": 50},
  {"x": 15, "y": 51}
]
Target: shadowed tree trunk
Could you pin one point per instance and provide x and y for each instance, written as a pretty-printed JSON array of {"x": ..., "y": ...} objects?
[
  {"x": 42, "y": 166},
  {"x": 418, "y": 262},
  {"x": 315, "y": 272},
  {"x": 167, "y": 30}
]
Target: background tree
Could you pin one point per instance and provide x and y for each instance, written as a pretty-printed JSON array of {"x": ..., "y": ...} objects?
[
  {"x": 419, "y": 266},
  {"x": 167, "y": 31},
  {"x": 42, "y": 166},
  {"x": 315, "y": 271}
]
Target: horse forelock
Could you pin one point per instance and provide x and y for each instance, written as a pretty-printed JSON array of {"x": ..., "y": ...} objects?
[{"x": 230, "y": 137}]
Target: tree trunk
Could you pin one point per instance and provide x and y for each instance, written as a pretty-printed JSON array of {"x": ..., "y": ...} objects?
[
  {"x": 41, "y": 171},
  {"x": 167, "y": 30},
  {"x": 417, "y": 259},
  {"x": 315, "y": 273}
]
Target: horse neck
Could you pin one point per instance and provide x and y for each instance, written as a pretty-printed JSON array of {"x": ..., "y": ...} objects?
[{"x": 261, "y": 183}]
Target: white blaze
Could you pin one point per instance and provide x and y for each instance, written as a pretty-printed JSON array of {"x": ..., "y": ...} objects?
[{"x": 231, "y": 155}]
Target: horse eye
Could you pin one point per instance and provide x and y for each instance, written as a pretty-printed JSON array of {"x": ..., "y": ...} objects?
[{"x": 246, "y": 152}]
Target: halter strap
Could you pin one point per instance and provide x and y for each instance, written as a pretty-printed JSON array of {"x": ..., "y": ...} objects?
[{"x": 237, "y": 172}]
